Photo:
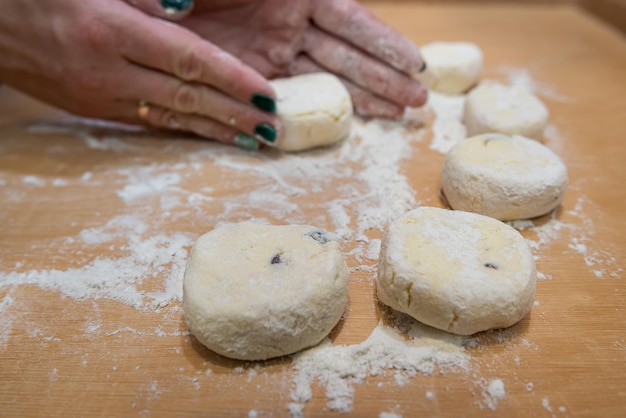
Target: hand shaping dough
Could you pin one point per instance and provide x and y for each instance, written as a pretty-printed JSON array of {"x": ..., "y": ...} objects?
[
  {"x": 503, "y": 177},
  {"x": 495, "y": 108},
  {"x": 452, "y": 67},
  {"x": 252, "y": 292},
  {"x": 315, "y": 110},
  {"x": 456, "y": 271}
]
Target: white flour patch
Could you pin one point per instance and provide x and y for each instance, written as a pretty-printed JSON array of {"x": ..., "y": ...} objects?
[
  {"x": 520, "y": 77},
  {"x": 120, "y": 279},
  {"x": 493, "y": 391},
  {"x": 447, "y": 127},
  {"x": 339, "y": 368}
]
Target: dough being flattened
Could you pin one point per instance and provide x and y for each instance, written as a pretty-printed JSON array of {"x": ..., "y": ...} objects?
[
  {"x": 496, "y": 108},
  {"x": 457, "y": 271},
  {"x": 253, "y": 291},
  {"x": 504, "y": 177},
  {"x": 315, "y": 109},
  {"x": 452, "y": 67}
]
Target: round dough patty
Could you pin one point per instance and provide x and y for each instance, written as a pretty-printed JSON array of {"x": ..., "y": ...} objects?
[
  {"x": 452, "y": 67},
  {"x": 457, "y": 271},
  {"x": 504, "y": 177},
  {"x": 496, "y": 108},
  {"x": 315, "y": 110},
  {"x": 252, "y": 291}
]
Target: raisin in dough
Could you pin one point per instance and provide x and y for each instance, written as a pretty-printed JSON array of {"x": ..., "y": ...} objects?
[
  {"x": 452, "y": 67},
  {"x": 504, "y": 177},
  {"x": 496, "y": 108},
  {"x": 252, "y": 292},
  {"x": 315, "y": 110},
  {"x": 456, "y": 271}
]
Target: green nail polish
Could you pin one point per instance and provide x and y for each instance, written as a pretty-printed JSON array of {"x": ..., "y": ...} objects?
[
  {"x": 423, "y": 67},
  {"x": 263, "y": 102},
  {"x": 266, "y": 131},
  {"x": 176, "y": 6},
  {"x": 246, "y": 141}
]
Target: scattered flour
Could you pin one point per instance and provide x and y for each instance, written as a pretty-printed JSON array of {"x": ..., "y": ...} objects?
[
  {"x": 447, "y": 127},
  {"x": 493, "y": 392},
  {"x": 338, "y": 368},
  {"x": 389, "y": 415}
]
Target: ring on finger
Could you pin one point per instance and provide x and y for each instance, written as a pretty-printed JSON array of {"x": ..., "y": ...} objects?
[{"x": 143, "y": 110}]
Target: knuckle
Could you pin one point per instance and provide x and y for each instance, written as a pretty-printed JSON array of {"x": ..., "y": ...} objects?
[
  {"x": 188, "y": 66},
  {"x": 165, "y": 119},
  {"x": 97, "y": 34},
  {"x": 186, "y": 98}
]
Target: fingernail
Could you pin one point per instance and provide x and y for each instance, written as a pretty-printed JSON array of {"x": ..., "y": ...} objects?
[
  {"x": 247, "y": 142},
  {"x": 266, "y": 131},
  {"x": 423, "y": 67},
  {"x": 176, "y": 6},
  {"x": 263, "y": 102}
]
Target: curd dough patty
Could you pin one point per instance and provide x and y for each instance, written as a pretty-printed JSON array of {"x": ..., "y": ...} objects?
[
  {"x": 496, "y": 108},
  {"x": 254, "y": 291},
  {"x": 315, "y": 110},
  {"x": 507, "y": 178},
  {"x": 452, "y": 67},
  {"x": 457, "y": 271}
]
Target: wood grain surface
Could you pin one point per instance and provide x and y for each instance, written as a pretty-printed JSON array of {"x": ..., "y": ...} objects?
[{"x": 62, "y": 182}]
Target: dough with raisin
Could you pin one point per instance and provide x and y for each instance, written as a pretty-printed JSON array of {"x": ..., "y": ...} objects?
[
  {"x": 495, "y": 108},
  {"x": 452, "y": 67},
  {"x": 457, "y": 271},
  {"x": 253, "y": 291},
  {"x": 507, "y": 178},
  {"x": 315, "y": 110}
]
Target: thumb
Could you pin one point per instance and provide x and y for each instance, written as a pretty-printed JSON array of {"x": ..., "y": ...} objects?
[{"x": 166, "y": 9}]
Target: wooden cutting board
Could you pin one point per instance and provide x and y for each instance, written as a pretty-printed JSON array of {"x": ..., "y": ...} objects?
[{"x": 84, "y": 205}]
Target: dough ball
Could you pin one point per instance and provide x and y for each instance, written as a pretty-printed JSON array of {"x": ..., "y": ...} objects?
[
  {"x": 503, "y": 177},
  {"x": 452, "y": 67},
  {"x": 496, "y": 108},
  {"x": 252, "y": 292},
  {"x": 315, "y": 110},
  {"x": 457, "y": 271}
]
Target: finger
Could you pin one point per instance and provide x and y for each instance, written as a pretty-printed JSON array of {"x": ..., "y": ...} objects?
[
  {"x": 363, "y": 70},
  {"x": 355, "y": 24},
  {"x": 195, "y": 99},
  {"x": 166, "y": 9},
  {"x": 164, "y": 118},
  {"x": 365, "y": 103},
  {"x": 176, "y": 51}
]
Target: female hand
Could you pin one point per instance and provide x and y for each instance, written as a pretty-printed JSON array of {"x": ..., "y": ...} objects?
[
  {"x": 103, "y": 58},
  {"x": 289, "y": 37}
]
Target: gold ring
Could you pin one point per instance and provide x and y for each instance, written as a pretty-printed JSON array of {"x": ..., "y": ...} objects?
[{"x": 143, "y": 110}]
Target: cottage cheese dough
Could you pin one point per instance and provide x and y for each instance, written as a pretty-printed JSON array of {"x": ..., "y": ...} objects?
[
  {"x": 496, "y": 108},
  {"x": 456, "y": 271},
  {"x": 452, "y": 67},
  {"x": 503, "y": 177},
  {"x": 253, "y": 292},
  {"x": 315, "y": 110}
]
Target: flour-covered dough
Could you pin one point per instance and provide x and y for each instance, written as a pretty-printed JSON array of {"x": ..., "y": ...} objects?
[
  {"x": 315, "y": 110},
  {"x": 253, "y": 291},
  {"x": 495, "y": 108},
  {"x": 503, "y": 177},
  {"x": 452, "y": 67},
  {"x": 457, "y": 271}
]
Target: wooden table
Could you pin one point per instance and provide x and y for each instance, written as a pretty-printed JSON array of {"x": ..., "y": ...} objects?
[{"x": 83, "y": 202}]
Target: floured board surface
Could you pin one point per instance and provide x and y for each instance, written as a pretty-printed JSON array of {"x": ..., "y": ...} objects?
[{"x": 98, "y": 220}]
